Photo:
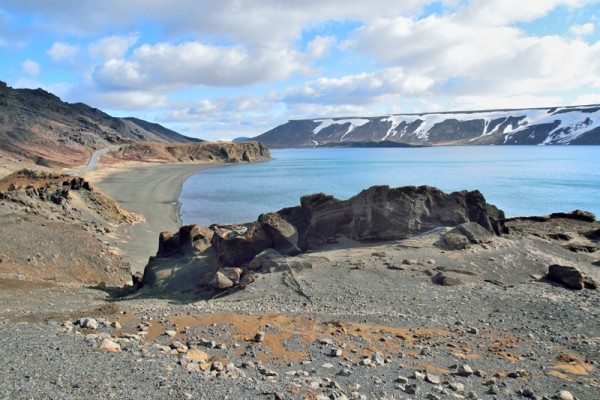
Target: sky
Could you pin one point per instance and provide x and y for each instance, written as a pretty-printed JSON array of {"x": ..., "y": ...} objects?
[{"x": 220, "y": 69}]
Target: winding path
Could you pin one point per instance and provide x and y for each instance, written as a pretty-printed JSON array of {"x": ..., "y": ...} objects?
[{"x": 93, "y": 162}]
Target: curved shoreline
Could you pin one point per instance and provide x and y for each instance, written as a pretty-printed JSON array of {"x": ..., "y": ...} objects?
[{"x": 151, "y": 190}]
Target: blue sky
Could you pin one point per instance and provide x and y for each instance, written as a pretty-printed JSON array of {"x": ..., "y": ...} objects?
[{"x": 219, "y": 69}]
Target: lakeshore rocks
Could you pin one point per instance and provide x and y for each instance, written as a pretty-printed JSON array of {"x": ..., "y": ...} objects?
[{"x": 379, "y": 213}]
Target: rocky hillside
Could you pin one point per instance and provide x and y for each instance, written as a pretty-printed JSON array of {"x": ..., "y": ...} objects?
[
  {"x": 547, "y": 126},
  {"x": 193, "y": 152},
  {"x": 59, "y": 229},
  {"x": 39, "y": 127}
]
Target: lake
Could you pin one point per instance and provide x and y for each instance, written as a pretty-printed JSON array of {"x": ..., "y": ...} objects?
[{"x": 521, "y": 180}]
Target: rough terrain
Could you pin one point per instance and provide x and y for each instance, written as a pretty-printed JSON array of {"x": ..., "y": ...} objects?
[{"x": 428, "y": 315}]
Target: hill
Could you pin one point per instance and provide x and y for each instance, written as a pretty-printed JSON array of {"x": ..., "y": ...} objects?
[
  {"x": 38, "y": 127},
  {"x": 540, "y": 126}
]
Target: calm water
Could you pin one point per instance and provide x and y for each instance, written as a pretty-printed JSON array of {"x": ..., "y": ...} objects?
[{"x": 521, "y": 180}]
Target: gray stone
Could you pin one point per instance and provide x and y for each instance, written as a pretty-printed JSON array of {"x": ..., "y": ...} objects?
[
  {"x": 443, "y": 279},
  {"x": 220, "y": 281},
  {"x": 465, "y": 370},
  {"x": 88, "y": 323},
  {"x": 256, "y": 263},
  {"x": 284, "y": 234}
]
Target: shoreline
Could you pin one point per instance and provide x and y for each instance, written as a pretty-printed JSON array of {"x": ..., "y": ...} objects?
[{"x": 151, "y": 190}]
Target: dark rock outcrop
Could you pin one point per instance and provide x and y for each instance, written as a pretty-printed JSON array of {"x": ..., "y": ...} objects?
[
  {"x": 382, "y": 213},
  {"x": 238, "y": 244},
  {"x": 379, "y": 213},
  {"x": 569, "y": 277},
  {"x": 579, "y": 215}
]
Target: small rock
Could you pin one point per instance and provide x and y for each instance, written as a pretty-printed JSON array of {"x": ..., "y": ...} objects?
[
  {"x": 494, "y": 389},
  {"x": 335, "y": 352},
  {"x": 171, "y": 333},
  {"x": 413, "y": 388},
  {"x": 465, "y": 370},
  {"x": 419, "y": 375},
  {"x": 327, "y": 365},
  {"x": 267, "y": 372},
  {"x": 378, "y": 358},
  {"x": 564, "y": 395},
  {"x": 220, "y": 281},
  {"x": 115, "y": 325},
  {"x": 527, "y": 392},
  {"x": 217, "y": 366},
  {"x": 109, "y": 345},
  {"x": 432, "y": 378},
  {"x": 402, "y": 380},
  {"x": 259, "y": 337},
  {"x": 457, "y": 387},
  {"x": 88, "y": 323}
]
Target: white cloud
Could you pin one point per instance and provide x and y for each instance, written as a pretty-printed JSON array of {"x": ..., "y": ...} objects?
[
  {"x": 361, "y": 89},
  {"x": 130, "y": 100},
  {"x": 111, "y": 47},
  {"x": 225, "y": 108},
  {"x": 320, "y": 45},
  {"x": 468, "y": 103},
  {"x": 503, "y": 12},
  {"x": 31, "y": 68},
  {"x": 249, "y": 21},
  {"x": 472, "y": 59},
  {"x": 60, "y": 51},
  {"x": 587, "y": 98},
  {"x": 582, "y": 30},
  {"x": 170, "y": 66}
]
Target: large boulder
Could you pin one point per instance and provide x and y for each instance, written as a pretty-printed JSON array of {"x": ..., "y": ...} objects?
[
  {"x": 257, "y": 262},
  {"x": 569, "y": 277},
  {"x": 463, "y": 235},
  {"x": 284, "y": 234},
  {"x": 238, "y": 244}
]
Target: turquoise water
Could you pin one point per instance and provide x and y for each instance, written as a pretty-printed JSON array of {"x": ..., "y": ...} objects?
[{"x": 521, "y": 180}]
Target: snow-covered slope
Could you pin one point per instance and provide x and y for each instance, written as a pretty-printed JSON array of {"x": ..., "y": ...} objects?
[{"x": 544, "y": 126}]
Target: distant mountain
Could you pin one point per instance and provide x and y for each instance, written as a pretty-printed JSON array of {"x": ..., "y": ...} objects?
[
  {"x": 37, "y": 126},
  {"x": 241, "y": 139},
  {"x": 546, "y": 126}
]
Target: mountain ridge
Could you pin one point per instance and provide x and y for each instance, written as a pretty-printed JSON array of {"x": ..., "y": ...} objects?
[{"x": 529, "y": 126}]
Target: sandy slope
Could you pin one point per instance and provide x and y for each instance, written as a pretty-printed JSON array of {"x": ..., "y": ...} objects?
[{"x": 149, "y": 190}]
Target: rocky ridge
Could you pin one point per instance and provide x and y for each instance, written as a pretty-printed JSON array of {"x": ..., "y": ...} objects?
[
  {"x": 205, "y": 152},
  {"x": 224, "y": 256}
]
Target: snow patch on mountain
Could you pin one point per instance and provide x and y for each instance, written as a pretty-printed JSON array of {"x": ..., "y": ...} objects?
[{"x": 354, "y": 123}]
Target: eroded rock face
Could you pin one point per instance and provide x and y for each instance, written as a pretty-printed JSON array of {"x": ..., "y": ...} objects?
[
  {"x": 188, "y": 239},
  {"x": 383, "y": 213},
  {"x": 284, "y": 234},
  {"x": 379, "y": 213},
  {"x": 238, "y": 244}
]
